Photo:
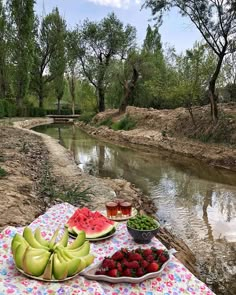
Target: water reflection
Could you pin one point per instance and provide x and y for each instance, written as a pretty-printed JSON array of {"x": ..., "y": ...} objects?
[{"x": 197, "y": 202}]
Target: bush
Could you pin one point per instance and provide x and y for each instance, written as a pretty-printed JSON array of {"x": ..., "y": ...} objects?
[
  {"x": 126, "y": 123},
  {"x": 107, "y": 122},
  {"x": 3, "y": 172},
  {"x": 86, "y": 117}
]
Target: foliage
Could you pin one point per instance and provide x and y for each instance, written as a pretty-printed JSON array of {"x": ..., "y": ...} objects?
[
  {"x": 3, "y": 172},
  {"x": 99, "y": 44},
  {"x": 57, "y": 63},
  {"x": 86, "y": 117},
  {"x": 215, "y": 20},
  {"x": 3, "y": 52},
  {"x": 72, "y": 56},
  {"x": 75, "y": 193},
  {"x": 126, "y": 123},
  {"x": 22, "y": 45},
  {"x": 106, "y": 122}
]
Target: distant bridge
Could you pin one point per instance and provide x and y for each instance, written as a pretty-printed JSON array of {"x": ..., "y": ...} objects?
[{"x": 63, "y": 118}]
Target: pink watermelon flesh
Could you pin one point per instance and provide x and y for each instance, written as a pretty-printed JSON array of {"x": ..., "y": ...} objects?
[{"x": 94, "y": 224}]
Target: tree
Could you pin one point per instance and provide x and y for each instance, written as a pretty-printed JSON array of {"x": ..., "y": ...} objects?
[
  {"x": 45, "y": 46},
  {"x": 131, "y": 74},
  {"x": 22, "y": 26},
  {"x": 215, "y": 20},
  {"x": 3, "y": 52},
  {"x": 100, "y": 43},
  {"x": 57, "y": 63},
  {"x": 72, "y": 57}
]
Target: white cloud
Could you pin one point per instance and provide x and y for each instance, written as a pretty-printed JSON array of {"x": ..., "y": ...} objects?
[{"x": 113, "y": 3}]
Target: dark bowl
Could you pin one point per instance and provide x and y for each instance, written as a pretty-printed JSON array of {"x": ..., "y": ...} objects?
[{"x": 143, "y": 236}]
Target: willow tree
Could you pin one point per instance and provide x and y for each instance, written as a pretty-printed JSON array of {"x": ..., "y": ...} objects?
[
  {"x": 46, "y": 39},
  {"x": 99, "y": 44},
  {"x": 57, "y": 63},
  {"x": 22, "y": 44},
  {"x": 3, "y": 51},
  {"x": 215, "y": 20},
  {"x": 72, "y": 57}
]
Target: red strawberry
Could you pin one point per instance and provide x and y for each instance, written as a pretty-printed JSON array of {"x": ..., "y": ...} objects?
[
  {"x": 140, "y": 272},
  {"x": 127, "y": 273},
  {"x": 113, "y": 273},
  {"x": 119, "y": 267},
  {"x": 135, "y": 256},
  {"x": 144, "y": 263},
  {"x": 159, "y": 252},
  {"x": 153, "y": 266},
  {"x": 125, "y": 251},
  {"x": 117, "y": 255},
  {"x": 150, "y": 258},
  {"x": 108, "y": 263},
  {"x": 147, "y": 252},
  {"x": 163, "y": 257},
  {"x": 133, "y": 264}
]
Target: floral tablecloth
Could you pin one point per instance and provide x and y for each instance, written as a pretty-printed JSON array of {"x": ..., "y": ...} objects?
[{"x": 174, "y": 280}]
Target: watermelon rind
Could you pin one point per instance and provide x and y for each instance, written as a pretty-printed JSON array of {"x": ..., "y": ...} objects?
[{"x": 95, "y": 235}]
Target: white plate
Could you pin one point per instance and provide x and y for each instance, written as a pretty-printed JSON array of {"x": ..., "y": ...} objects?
[
  {"x": 96, "y": 239},
  {"x": 45, "y": 280},
  {"x": 134, "y": 212},
  {"x": 90, "y": 274}
]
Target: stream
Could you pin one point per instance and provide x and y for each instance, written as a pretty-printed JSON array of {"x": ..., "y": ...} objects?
[{"x": 196, "y": 202}]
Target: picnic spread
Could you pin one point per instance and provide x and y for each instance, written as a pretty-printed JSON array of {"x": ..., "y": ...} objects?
[{"x": 173, "y": 279}]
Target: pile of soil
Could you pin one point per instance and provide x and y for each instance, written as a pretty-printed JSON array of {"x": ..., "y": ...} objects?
[
  {"x": 175, "y": 131},
  {"x": 23, "y": 157}
]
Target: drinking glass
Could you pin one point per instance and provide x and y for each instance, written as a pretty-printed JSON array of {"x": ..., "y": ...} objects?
[{"x": 112, "y": 209}]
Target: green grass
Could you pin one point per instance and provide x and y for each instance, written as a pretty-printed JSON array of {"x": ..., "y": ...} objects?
[
  {"x": 3, "y": 172},
  {"x": 107, "y": 122},
  {"x": 126, "y": 123},
  {"x": 86, "y": 117}
]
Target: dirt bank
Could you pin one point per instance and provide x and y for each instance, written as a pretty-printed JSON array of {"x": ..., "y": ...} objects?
[{"x": 171, "y": 130}]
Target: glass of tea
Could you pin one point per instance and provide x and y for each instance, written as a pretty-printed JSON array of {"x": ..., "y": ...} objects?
[
  {"x": 119, "y": 201},
  {"x": 112, "y": 209},
  {"x": 126, "y": 208}
]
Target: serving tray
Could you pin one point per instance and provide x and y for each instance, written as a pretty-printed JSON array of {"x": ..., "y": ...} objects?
[
  {"x": 120, "y": 217},
  {"x": 90, "y": 274},
  {"x": 46, "y": 280}
]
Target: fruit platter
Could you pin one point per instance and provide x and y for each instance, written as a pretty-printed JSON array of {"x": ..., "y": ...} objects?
[
  {"x": 130, "y": 266},
  {"x": 95, "y": 225},
  {"x": 51, "y": 261}
]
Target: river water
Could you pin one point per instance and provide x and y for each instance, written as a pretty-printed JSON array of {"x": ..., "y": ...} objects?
[{"x": 195, "y": 201}]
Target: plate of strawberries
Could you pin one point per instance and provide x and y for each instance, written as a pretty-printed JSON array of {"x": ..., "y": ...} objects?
[{"x": 131, "y": 266}]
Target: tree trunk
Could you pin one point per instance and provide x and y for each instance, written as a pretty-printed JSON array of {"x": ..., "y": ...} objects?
[
  {"x": 101, "y": 100},
  {"x": 58, "y": 105},
  {"x": 212, "y": 93},
  {"x": 72, "y": 90},
  {"x": 129, "y": 89}
]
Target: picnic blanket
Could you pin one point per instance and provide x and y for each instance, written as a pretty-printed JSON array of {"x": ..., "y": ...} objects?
[{"x": 175, "y": 278}]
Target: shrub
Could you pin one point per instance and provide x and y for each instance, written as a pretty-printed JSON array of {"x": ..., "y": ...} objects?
[
  {"x": 127, "y": 123},
  {"x": 107, "y": 122},
  {"x": 3, "y": 172},
  {"x": 86, "y": 117}
]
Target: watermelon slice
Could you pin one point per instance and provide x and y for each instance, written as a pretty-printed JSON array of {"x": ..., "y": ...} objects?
[{"x": 94, "y": 224}]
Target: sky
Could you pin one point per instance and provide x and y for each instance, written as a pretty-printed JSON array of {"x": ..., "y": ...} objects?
[{"x": 176, "y": 31}]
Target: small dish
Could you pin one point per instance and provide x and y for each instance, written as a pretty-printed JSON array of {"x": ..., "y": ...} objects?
[
  {"x": 90, "y": 274},
  {"x": 109, "y": 235},
  {"x": 120, "y": 217},
  {"x": 46, "y": 280}
]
